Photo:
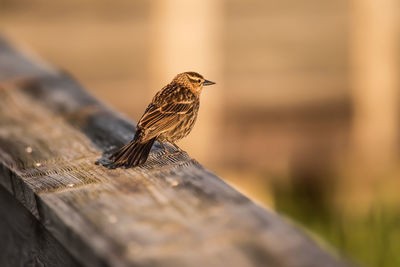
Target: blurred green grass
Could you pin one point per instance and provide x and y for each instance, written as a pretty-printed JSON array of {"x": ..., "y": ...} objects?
[{"x": 369, "y": 239}]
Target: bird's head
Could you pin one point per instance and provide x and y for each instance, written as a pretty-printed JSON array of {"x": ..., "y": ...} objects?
[{"x": 192, "y": 80}]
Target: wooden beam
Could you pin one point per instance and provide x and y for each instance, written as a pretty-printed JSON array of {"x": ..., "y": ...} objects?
[
  {"x": 22, "y": 234},
  {"x": 375, "y": 84},
  {"x": 168, "y": 212}
]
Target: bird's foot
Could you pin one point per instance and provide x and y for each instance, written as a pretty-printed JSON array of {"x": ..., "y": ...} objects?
[
  {"x": 167, "y": 153},
  {"x": 172, "y": 154}
]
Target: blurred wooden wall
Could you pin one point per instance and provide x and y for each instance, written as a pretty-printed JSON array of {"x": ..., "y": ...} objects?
[{"x": 287, "y": 69}]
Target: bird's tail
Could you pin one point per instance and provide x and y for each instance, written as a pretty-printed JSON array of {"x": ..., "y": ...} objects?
[{"x": 132, "y": 154}]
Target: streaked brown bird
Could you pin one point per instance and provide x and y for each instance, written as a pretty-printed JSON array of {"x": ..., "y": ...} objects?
[{"x": 168, "y": 118}]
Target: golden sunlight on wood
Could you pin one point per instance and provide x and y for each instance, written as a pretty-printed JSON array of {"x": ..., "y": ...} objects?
[
  {"x": 375, "y": 96},
  {"x": 374, "y": 55}
]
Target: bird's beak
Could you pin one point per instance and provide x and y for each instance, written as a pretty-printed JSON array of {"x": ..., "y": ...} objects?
[{"x": 207, "y": 82}]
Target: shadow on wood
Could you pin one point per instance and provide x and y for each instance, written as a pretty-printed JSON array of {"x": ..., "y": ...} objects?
[
  {"x": 168, "y": 212},
  {"x": 24, "y": 240}
]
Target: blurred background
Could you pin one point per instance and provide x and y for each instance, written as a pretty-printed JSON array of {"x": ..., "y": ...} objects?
[{"x": 305, "y": 114}]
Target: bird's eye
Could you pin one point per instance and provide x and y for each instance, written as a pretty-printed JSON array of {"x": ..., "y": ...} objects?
[{"x": 199, "y": 81}]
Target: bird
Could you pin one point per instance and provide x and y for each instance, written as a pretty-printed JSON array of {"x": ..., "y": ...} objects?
[{"x": 169, "y": 117}]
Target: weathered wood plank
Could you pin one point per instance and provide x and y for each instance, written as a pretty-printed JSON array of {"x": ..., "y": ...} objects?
[
  {"x": 24, "y": 240},
  {"x": 168, "y": 212}
]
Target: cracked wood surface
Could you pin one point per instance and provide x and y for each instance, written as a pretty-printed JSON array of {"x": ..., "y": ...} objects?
[{"x": 168, "y": 212}]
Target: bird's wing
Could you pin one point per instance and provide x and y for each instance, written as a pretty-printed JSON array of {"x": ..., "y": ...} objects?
[{"x": 159, "y": 119}]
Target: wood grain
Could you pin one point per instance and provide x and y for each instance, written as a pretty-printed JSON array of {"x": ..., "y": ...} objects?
[
  {"x": 24, "y": 240},
  {"x": 168, "y": 212}
]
